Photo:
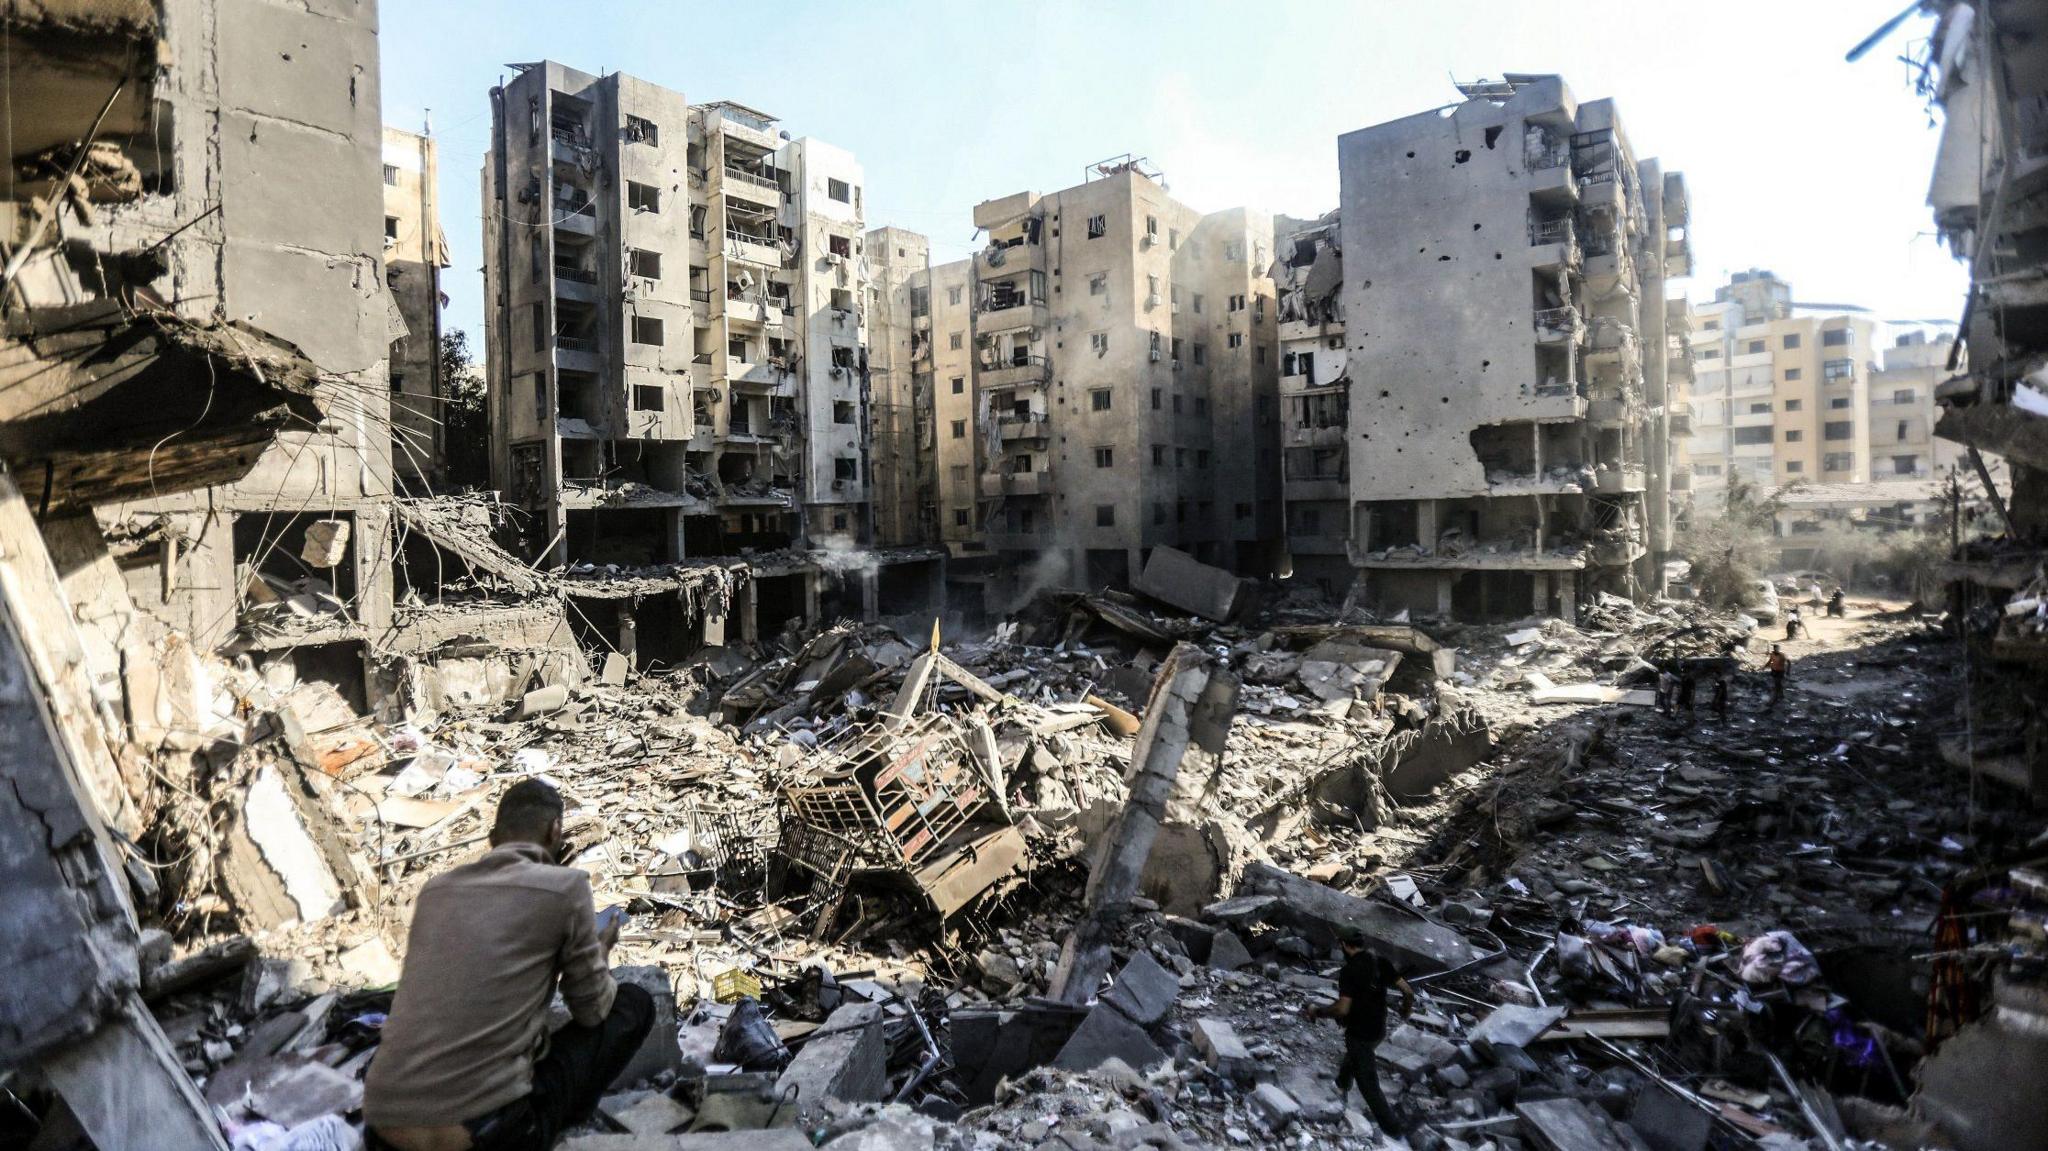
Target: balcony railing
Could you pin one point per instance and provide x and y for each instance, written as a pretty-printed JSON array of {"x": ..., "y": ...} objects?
[
  {"x": 576, "y": 343},
  {"x": 1557, "y": 323},
  {"x": 1550, "y": 232},
  {"x": 754, "y": 178},
  {"x": 576, "y": 272},
  {"x": 734, "y": 235}
]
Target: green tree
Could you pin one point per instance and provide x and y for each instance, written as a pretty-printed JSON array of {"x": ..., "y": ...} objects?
[{"x": 465, "y": 414}]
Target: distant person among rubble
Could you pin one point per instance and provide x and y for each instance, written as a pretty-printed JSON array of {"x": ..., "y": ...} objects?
[
  {"x": 1361, "y": 1008},
  {"x": 466, "y": 1059},
  {"x": 1777, "y": 665},
  {"x": 1836, "y": 610},
  {"x": 1667, "y": 691},
  {"x": 1721, "y": 696},
  {"x": 1688, "y": 682},
  {"x": 1794, "y": 625}
]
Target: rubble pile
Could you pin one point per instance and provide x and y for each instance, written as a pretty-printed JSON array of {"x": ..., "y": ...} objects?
[{"x": 849, "y": 860}]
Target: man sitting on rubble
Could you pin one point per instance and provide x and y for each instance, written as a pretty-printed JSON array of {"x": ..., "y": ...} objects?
[
  {"x": 1361, "y": 1007},
  {"x": 466, "y": 1059}
]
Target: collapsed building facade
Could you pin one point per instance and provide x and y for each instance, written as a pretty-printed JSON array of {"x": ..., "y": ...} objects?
[
  {"x": 1508, "y": 373},
  {"x": 1986, "y": 66}
]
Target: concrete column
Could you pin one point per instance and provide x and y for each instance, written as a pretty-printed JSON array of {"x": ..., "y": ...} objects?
[
  {"x": 1542, "y": 596},
  {"x": 1444, "y": 583},
  {"x": 1568, "y": 596},
  {"x": 871, "y": 595},
  {"x": 674, "y": 524},
  {"x": 744, "y": 609},
  {"x": 813, "y": 612},
  {"x": 629, "y": 634}
]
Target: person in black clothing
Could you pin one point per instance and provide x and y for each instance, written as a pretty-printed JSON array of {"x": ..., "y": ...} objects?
[
  {"x": 1721, "y": 696},
  {"x": 1361, "y": 1008}
]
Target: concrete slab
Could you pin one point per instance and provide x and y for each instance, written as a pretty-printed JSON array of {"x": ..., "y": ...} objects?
[
  {"x": 1222, "y": 1050},
  {"x": 1415, "y": 945},
  {"x": 1274, "y": 1104},
  {"x": 772, "y": 1139},
  {"x": 1107, "y": 1034},
  {"x": 1513, "y": 1025},
  {"x": 1177, "y": 579},
  {"x": 846, "y": 1059},
  {"x": 1144, "y": 991},
  {"x": 1227, "y": 952}
]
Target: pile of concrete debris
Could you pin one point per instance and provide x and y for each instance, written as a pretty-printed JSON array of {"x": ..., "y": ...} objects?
[{"x": 1068, "y": 884}]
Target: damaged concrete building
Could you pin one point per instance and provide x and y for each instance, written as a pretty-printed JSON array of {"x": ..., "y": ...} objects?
[
  {"x": 677, "y": 323},
  {"x": 1507, "y": 356},
  {"x": 1106, "y": 385},
  {"x": 415, "y": 252},
  {"x": 1986, "y": 65},
  {"x": 1315, "y": 399}
]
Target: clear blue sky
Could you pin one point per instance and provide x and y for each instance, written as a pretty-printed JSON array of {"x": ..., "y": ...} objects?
[{"x": 1798, "y": 161}]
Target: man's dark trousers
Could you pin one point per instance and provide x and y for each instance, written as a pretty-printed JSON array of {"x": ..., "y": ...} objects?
[
  {"x": 1360, "y": 1067},
  {"x": 567, "y": 1082}
]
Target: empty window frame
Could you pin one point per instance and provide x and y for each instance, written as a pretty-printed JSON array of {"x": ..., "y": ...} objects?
[
  {"x": 839, "y": 190},
  {"x": 647, "y": 397},
  {"x": 643, "y": 263},
  {"x": 647, "y": 330},
  {"x": 642, "y": 197},
  {"x": 1098, "y": 227},
  {"x": 1105, "y": 457},
  {"x": 1098, "y": 399}
]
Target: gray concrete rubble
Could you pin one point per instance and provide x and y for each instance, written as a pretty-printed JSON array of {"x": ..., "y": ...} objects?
[{"x": 903, "y": 867}]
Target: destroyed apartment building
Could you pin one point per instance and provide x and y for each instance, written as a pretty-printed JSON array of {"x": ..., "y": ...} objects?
[
  {"x": 1061, "y": 874},
  {"x": 677, "y": 346},
  {"x": 1484, "y": 419},
  {"x": 1986, "y": 66}
]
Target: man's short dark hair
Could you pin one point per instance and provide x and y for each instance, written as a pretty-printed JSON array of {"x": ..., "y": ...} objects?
[{"x": 527, "y": 810}]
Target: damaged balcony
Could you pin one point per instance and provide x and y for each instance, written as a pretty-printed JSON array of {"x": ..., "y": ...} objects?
[
  {"x": 1011, "y": 305},
  {"x": 1013, "y": 427},
  {"x": 100, "y": 405},
  {"x": 752, "y": 186},
  {"x": 1678, "y": 253},
  {"x": 1015, "y": 372},
  {"x": 1012, "y": 483},
  {"x": 750, "y": 129},
  {"x": 1554, "y": 246},
  {"x": 1560, "y": 325},
  {"x": 759, "y": 248}
]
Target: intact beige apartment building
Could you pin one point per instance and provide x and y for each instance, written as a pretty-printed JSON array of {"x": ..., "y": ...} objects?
[
  {"x": 1782, "y": 396},
  {"x": 1104, "y": 380},
  {"x": 415, "y": 252}
]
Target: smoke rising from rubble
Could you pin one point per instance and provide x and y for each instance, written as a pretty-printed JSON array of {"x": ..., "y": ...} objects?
[
  {"x": 1043, "y": 574},
  {"x": 842, "y": 558}
]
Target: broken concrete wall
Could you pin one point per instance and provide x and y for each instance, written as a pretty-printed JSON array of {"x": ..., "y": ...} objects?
[{"x": 273, "y": 116}]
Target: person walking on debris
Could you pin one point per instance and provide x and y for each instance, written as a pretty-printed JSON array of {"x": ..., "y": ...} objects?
[
  {"x": 1777, "y": 665},
  {"x": 461, "y": 1064},
  {"x": 1721, "y": 696},
  {"x": 1835, "y": 608},
  {"x": 1667, "y": 691},
  {"x": 1687, "y": 683},
  {"x": 1793, "y": 625},
  {"x": 1361, "y": 1008}
]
